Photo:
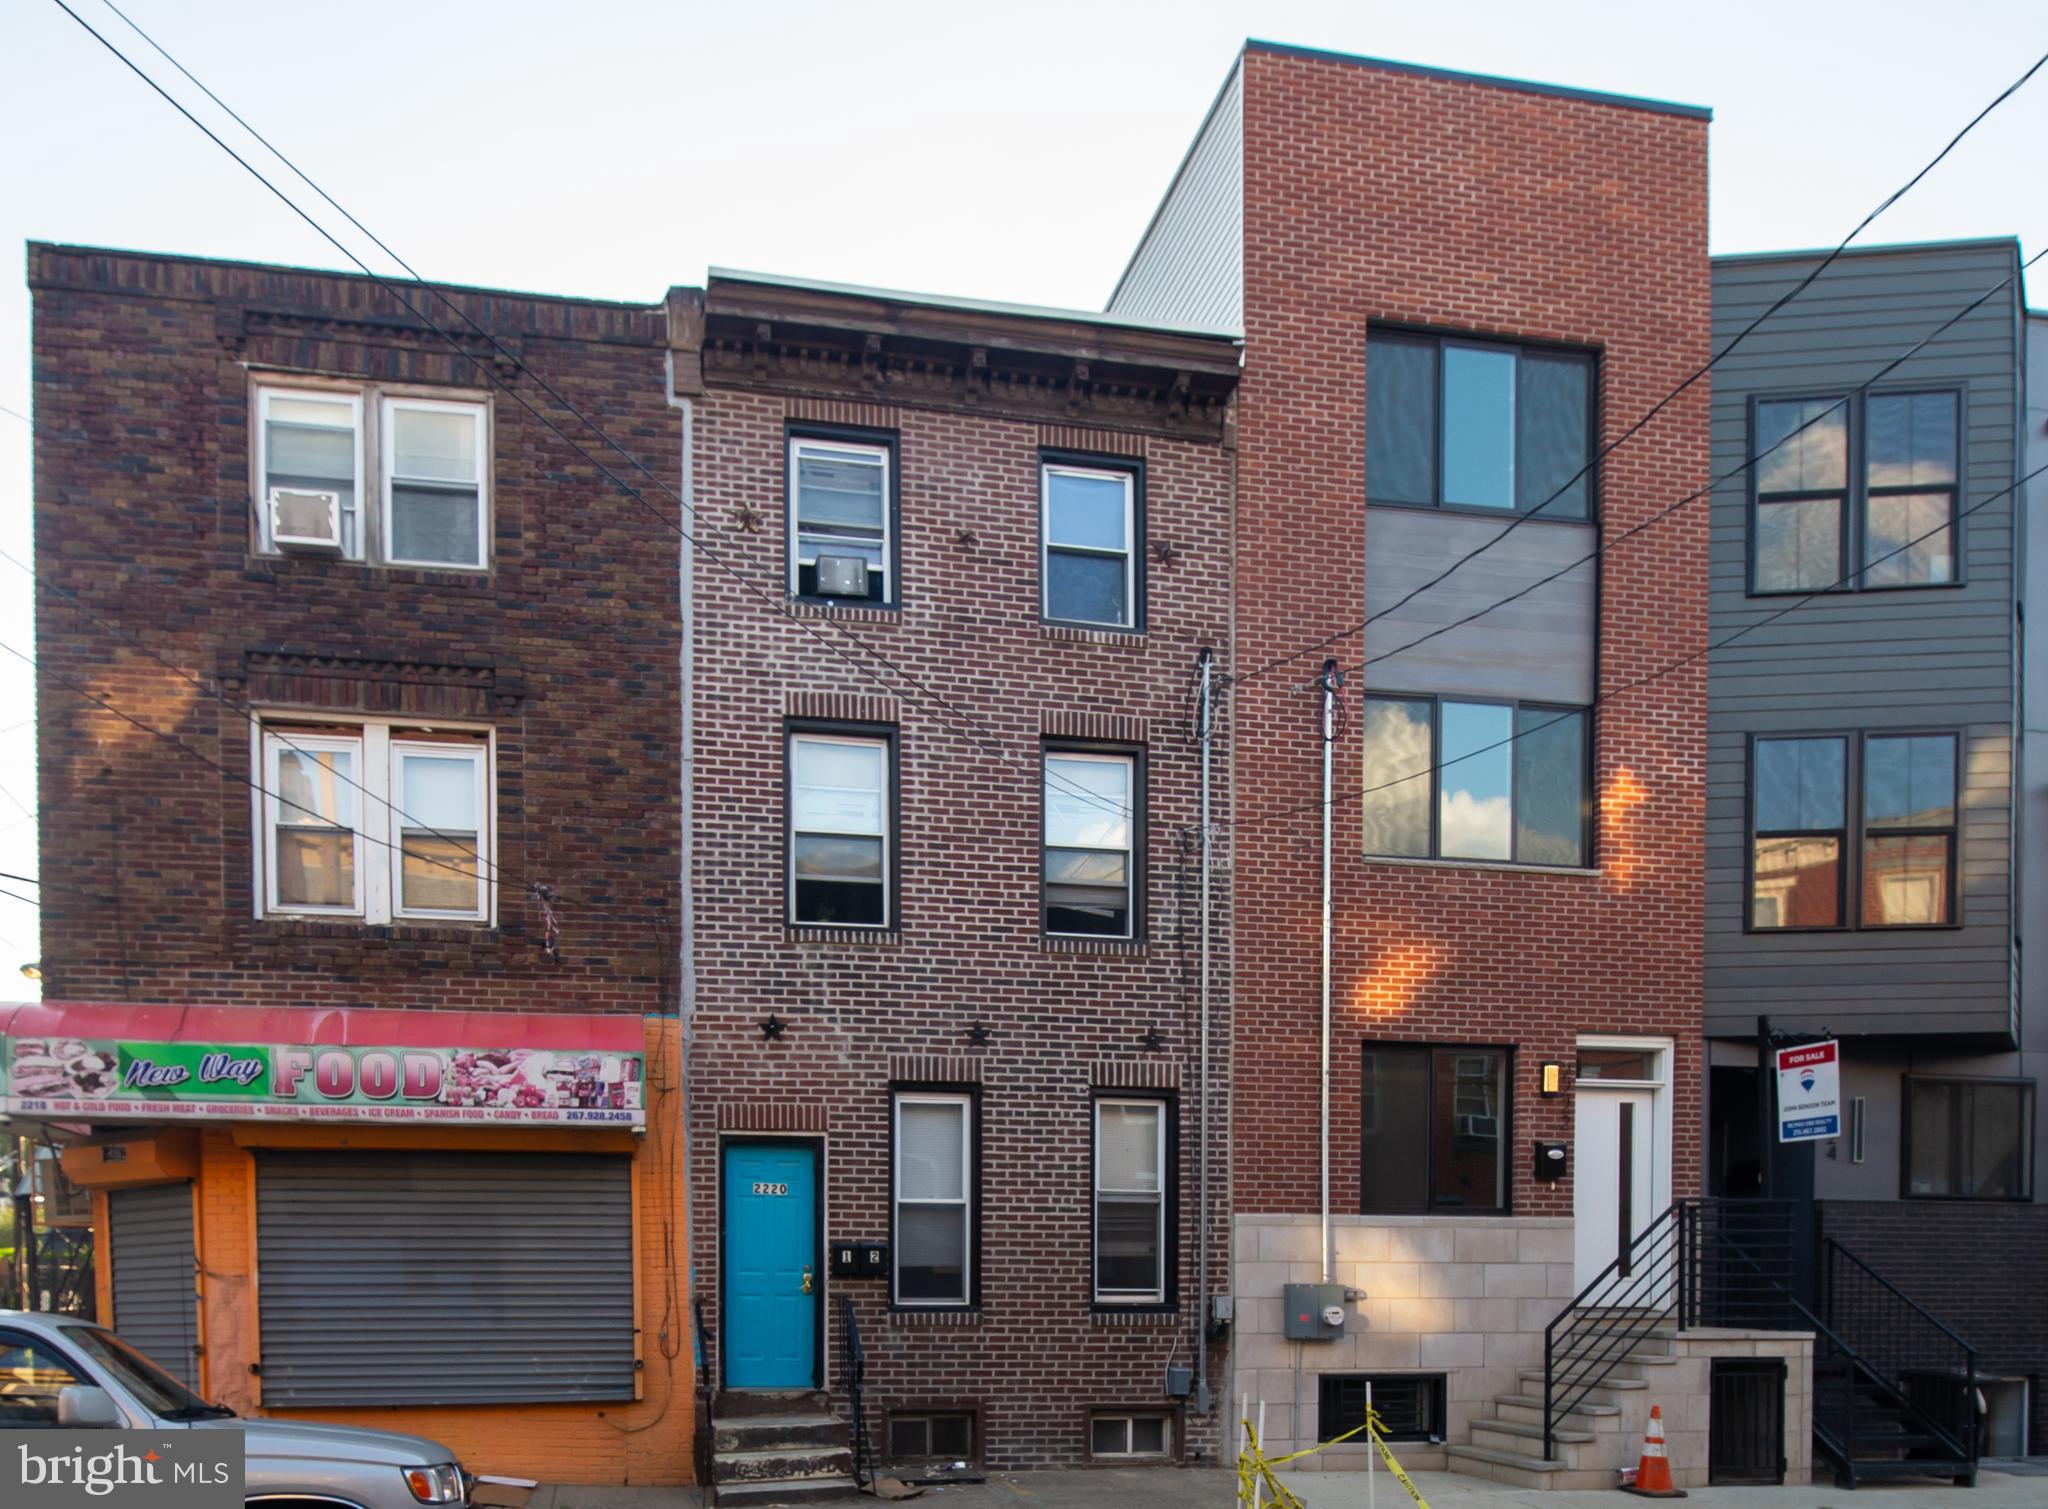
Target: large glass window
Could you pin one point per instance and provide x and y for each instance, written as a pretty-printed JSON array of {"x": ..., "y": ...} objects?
[
  {"x": 437, "y": 791},
  {"x": 840, "y": 503},
  {"x": 1090, "y": 843},
  {"x": 934, "y": 1199},
  {"x": 310, "y": 464},
  {"x": 1090, "y": 544},
  {"x": 1818, "y": 509},
  {"x": 1909, "y": 830},
  {"x": 1452, "y": 779},
  {"x": 1970, "y": 1139},
  {"x": 1800, "y": 803},
  {"x": 839, "y": 830},
  {"x": 435, "y": 510},
  {"x": 1484, "y": 426},
  {"x": 313, "y": 783},
  {"x": 1434, "y": 1127},
  {"x": 1130, "y": 1202}
]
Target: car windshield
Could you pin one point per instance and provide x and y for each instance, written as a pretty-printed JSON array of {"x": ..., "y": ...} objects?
[{"x": 158, "y": 1391}]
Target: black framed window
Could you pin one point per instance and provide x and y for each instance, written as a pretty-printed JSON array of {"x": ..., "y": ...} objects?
[
  {"x": 933, "y": 1184},
  {"x": 1455, "y": 423},
  {"x": 1969, "y": 1139},
  {"x": 1899, "y": 856},
  {"x": 842, "y": 516},
  {"x": 1091, "y": 561},
  {"x": 1455, "y": 779},
  {"x": 1870, "y": 479},
  {"x": 841, "y": 828},
  {"x": 1092, "y": 842},
  {"x": 932, "y": 1436},
  {"x": 1410, "y": 1405},
  {"x": 1135, "y": 1195},
  {"x": 1434, "y": 1129}
]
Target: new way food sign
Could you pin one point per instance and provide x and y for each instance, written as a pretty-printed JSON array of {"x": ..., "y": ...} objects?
[{"x": 1809, "y": 1092}]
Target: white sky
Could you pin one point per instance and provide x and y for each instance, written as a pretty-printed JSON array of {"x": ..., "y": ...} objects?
[{"x": 1015, "y": 152}]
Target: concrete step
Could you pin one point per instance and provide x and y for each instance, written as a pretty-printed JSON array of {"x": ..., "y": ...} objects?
[
  {"x": 1520, "y": 1469},
  {"x": 1520, "y": 1409},
  {"x": 1615, "y": 1382},
  {"x": 731, "y": 1403},
  {"x": 779, "y": 1432},
  {"x": 764, "y": 1495},
  {"x": 1501, "y": 1435},
  {"x": 781, "y": 1466}
]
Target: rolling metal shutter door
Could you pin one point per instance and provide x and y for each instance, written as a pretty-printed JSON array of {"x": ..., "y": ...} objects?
[
  {"x": 444, "y": 1278},
  {"x": 155, "y": 1274}
]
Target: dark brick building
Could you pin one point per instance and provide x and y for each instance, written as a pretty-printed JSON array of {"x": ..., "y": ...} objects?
[
  {"x": 342, "y": 653},
  {"x": 944, "y": 1003}
]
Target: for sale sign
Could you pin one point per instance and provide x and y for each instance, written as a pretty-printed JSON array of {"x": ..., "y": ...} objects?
[{"x": 1809, "y": 1092}]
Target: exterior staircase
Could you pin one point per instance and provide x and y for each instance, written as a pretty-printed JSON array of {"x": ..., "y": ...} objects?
[
  {"x": 777, "y": 1446},
  {"x": 1608, "y": 1388}
]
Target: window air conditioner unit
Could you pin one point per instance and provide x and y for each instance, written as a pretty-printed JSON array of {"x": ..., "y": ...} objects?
[
  {"x": 842, "y": 576},
  {"x": 306, "y": 521}
]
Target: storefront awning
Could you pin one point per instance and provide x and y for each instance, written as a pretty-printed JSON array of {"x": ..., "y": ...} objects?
[{"x": 99, "y": 1062}]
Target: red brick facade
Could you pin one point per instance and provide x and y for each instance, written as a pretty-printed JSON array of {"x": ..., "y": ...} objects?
[
  {"x": 1063, "y": 1019},
  {"x": 1377, "y": 194}
]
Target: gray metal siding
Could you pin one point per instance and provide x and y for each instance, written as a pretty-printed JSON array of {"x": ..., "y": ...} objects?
[
  {"x": 1930, "y": 658},
  {"x": 155, "y": 1275},
  {"x": 444, "y": 1278},
  {"x": 1189, "y": 269},
  {"x": 1537, "y": 648}
]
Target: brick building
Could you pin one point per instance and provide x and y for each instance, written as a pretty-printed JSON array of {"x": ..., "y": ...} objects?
[
  {"x": 342, "y": 653},
  {"x": 1451, "y": 289},
  {"x": 944, "y": 1002}
]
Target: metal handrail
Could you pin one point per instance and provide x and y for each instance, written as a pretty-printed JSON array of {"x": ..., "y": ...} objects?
[
  {"x": 1646, "y": 1263},
  {"x": 703, "y": 1344},
  {"x": 854, "y": 1371},
  {"x": 1921, "y": 1310}
]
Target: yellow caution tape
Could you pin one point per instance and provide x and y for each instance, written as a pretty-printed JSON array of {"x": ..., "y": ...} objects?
[{"x": 1255, "y": 1468}]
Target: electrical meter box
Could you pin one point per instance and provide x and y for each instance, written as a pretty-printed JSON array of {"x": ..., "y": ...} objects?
[{"x": 1313, "y": 1312}]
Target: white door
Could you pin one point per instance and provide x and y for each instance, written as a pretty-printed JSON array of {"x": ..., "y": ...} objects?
[{"x": 1614, "y": 1179}]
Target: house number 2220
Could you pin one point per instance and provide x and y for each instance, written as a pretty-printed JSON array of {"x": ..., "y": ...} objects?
[{"x": 770, "y": 1189}]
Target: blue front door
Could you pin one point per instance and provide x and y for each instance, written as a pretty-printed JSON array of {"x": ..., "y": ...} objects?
[{"x": 771, "y": 1252}]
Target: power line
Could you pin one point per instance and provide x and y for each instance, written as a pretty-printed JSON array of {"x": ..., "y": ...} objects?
[
  {"x": 1746, "y": 465},
  {"x": 1661, "y": 404},
  {"x": 776, "y": 603},
  {"x": 1643, "y": 680},
  {"x": 15, "y": 414}
]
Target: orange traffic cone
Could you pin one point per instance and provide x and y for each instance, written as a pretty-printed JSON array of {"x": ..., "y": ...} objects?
[{"x": 1653, "y": 1469}]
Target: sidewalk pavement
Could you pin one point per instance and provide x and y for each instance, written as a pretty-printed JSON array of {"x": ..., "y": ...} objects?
[{"x": 1210, "y": 1488}]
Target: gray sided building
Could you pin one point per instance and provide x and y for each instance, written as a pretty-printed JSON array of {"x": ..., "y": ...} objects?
[{"x": 1864, "y": 771}]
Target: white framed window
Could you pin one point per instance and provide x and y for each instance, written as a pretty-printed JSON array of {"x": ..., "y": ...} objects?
[
  {"x": 359, "y": 472},
  {"x": 436, "y": 502},
  {"x": 375, "y": 819},
  {"x": 1134, "y": 1435},
  {"x": 1088, "y": 530},
  {"x": 1089, "y": 844},
  {"x": 1130, "y": 1202},
  {"x": 839, "y": 855},
  {"x": 309, "y": 462},
  {"x": 840, "y": 504},
  {"x": 933, "y": 1245}
]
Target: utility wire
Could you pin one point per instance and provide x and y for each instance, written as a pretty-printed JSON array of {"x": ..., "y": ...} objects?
[
  {"x": 1746, "y": 465},
  {"x": 15, "y": 414},
  {"x": 1277, "y": 813},
  {"x": 775, "y": 602},
  {"x": 1661, "y": 404}
]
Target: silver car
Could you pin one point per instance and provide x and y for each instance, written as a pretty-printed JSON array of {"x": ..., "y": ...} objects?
[{"x": 57, "y": 1370}]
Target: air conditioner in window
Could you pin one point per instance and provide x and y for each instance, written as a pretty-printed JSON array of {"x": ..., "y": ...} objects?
[
  {"x": 842, "y": 576},
  {"x": 302, "y": 520}
]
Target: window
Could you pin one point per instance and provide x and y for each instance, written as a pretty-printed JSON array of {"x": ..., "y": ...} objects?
[
  {"x": 1816, "y": 512},
  {"x": 1435, "y": 1130},
  {"x": 1800, "y": 856},
  {"x": 839, "y": 860},
  {"x": 1464, "y": 424},
  {"x": 1970, "y": 1139},
  {"x": 938, "y": 1437},
  {"x": 1090, "y": 533},
  {"x": 1090, "y": 843},
  {"x": 376, "y": 821},
  {"x": 1137, "y": 1435},
  {"x": 1132, "y": 1214},
  {"x": 434, "y": 509},
  {"x": 428, "y": 456},
  {"x": 31, "y": 1373},
  {"x": 842, "y": 505},
  {"x": 1476, "y": 780},
  {"x": 934, "y": 1184},
  {"x": 1410, "y": 1405}
]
